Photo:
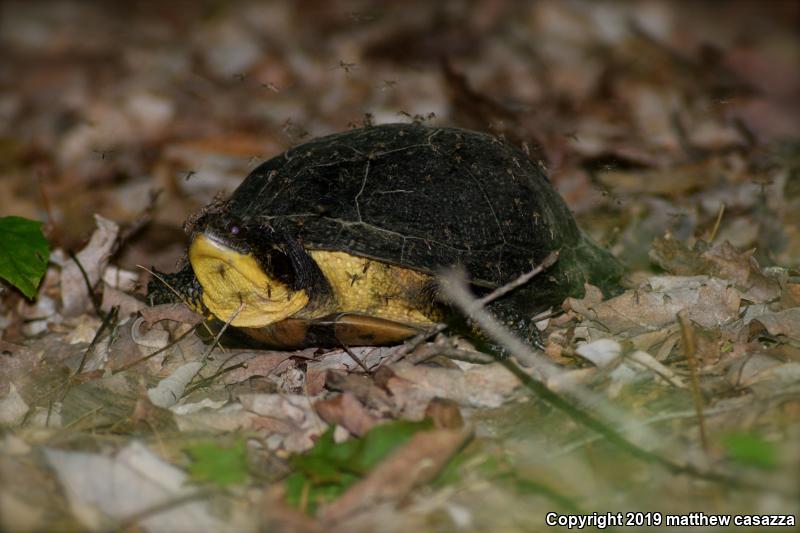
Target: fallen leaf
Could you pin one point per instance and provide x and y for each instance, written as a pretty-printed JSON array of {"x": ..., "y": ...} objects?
[
  {"x": 650, "y": 362},
  {"x": 785, "y": 322},
  {"x": 417, "y": 462},
  {"x": 708, "y": 301},
  {"x": 345, "y": 410},
  {"x": 720, "y": 261},
  {"x": 127, "y": 304},
  {"x": 257, "y": 364},
  {"x": 763, "y": 374},
  {"x": 119, "y": 487},
  {"x": 12, "y": 407},
  {"x": 601, "y": 353},
  {"x": 175, "y": 312},
  {"x": 481, "y": 386},
  {"x": 94, "y": 259},
  {"x": 445, "y": 414},
  {"x": 170, "y": 389},
  {"x": 293, "y": 412}
]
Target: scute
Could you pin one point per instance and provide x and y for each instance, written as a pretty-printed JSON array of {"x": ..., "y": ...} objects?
[{"x": 425, "y": 198}]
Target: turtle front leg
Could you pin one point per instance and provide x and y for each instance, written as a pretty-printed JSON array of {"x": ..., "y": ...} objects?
[
  {"x": 178, "y": 287},
  {"x": 520, "y": 322}
]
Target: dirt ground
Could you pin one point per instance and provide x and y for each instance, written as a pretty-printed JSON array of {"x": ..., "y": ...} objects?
[{"x": 671, "y": 129}]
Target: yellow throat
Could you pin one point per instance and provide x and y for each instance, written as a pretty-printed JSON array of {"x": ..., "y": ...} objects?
[{"x": 236, "y": 288}]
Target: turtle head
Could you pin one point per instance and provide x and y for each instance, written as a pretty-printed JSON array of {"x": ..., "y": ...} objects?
[{"x": 251, "y": 274}]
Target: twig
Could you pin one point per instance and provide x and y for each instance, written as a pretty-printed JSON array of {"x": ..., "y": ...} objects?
[
  {"x": 205, "y": 382},
  {"x": 662, "y": 417},
  {"x": 107, "y": 320},
  {"x": 616, "y": 438},
  {"x": 522, "y": 280},
  {"x": 353, "y": 356},
  {"x": 222, "y": 332},
  {"x": 412, "y": 344},
  {"x": 146, "y": 357},
  {"x": 431, "y": 350},
  {"x": 133, "y": 519},
  {"x": 717, "y": 223},
  {"x": 89, "y": 287},
  {"x": 455, "y": 288},
  {"x": 689, "y": 347}
]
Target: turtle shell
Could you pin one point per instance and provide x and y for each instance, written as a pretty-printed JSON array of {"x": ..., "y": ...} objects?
[{"x": 425, "y": 198}]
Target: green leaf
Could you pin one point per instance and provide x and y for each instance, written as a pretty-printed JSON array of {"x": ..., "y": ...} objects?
[
  {"x": 23, "y": 253},
  {"x": 750, "y": 449},
  {"x": 382, "y": 440},
  {"x": 217, "y": 464},
  {"x": 328, "y": 469}
]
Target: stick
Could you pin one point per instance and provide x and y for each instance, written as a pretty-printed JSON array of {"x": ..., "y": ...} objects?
[
  {"x": 689, "y": 347},
  {"x": 522, "y": 280},
  {"x": 455, "y": 287}
]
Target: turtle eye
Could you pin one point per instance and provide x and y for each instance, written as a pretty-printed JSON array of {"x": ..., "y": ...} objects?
[{"x": 234, "y": 229}]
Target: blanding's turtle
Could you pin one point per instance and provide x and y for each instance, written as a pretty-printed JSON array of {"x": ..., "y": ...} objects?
[{"x": 338, "y": 241}]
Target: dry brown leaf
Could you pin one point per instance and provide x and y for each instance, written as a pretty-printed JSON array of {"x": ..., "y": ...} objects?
[
  {"x": 790, "y": 296},
  {"x": 481, "y": 386},
  {"x": 256, "y": 364},
  {"x": 365, "y": 388},
  {"x": 720, "y": 261},
  {"x": 175, "y": 312},
  {"x": 292, "y": 411},
  {"x": 346, "y": 411},
  {"x": 764, "y": 374},
  {"x": 445, "y": 414},
  {"x": 708, "y": 301},
  {"x": 785, "y": 322},
  {"x": 673, "y": 181},
  {"x": 210, "y": 417},
  {"x": 417, "y": 462},
  {"x": 728, "y": 263},
  {"x": 127, "y": 304},
  {"x": 94, "y": 259}
]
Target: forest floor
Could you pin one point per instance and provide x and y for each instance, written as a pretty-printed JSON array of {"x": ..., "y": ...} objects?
[{"x": 671, "y": 129}]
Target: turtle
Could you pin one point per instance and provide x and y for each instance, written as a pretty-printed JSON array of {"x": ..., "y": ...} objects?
[{"x": 339, "y": 241}]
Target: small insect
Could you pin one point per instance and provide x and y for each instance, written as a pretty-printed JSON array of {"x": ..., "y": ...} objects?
[
  {"x": 345, "y": 66},
  {"x": 271, "y": 86},
  {"x": 103, "y": 153},
  {"x": 357, "y": 16}
]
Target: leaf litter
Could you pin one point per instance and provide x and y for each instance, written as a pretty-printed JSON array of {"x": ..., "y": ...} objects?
[{"x": 671, "y": 131}]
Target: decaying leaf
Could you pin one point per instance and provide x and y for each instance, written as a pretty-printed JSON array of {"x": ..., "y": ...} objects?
[
  {"x": 134, "y": 480},
  {"x": 346, "y": 411},
  {"x": 481, "y": 386},
  {"x": 601, "y": 353},
  {"x": 416, "y": 462},
  {"x": 170, "y": 389},
  {"x": 786, "y": 323},
  {"x": 292, "y": 422},
  {"x": 94, "y": 259},
  {"x": 708, "y": 301},
  {"x": 721, "y": 261}
]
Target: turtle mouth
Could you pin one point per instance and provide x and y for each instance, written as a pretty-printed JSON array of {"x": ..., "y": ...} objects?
[
  {"x": 235, "y": 286},
  {"x": 226, "y": 240}
]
